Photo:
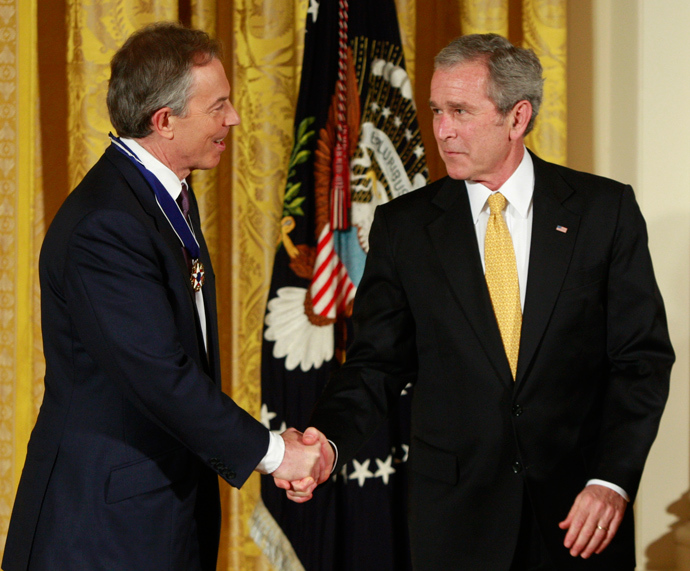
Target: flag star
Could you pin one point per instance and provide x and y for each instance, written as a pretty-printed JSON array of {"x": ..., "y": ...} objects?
[
  {"x": 404, "y": 391},
  {"x": 266, "y": 416},
  {"x": 419, "y": 151},
  {"x": 313, "y": 10},
  {"x": 408, "y": 134},
  {"x": 385, "y": 469},
  {"x": 375, "y": 107},
  {"x": 386, "y": 112},
  {"x": 362, "y": 472},
  {"x": 397, "y": 121},
  {"x": 406, "y": 450}
]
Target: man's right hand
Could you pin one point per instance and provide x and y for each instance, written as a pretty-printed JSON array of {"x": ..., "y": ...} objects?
[{"x": 307, "y": 463}]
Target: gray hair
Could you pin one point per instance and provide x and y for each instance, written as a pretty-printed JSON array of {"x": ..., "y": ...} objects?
[
  {"x": 152, "y": 70},
  {"x": 515, "y": 74}
]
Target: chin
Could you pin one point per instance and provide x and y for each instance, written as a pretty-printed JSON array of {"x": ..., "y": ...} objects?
[
  {"x": 456, "y": 173},
  {"x": 210, "y": 164},
  {"x": 456, "y": 170}
]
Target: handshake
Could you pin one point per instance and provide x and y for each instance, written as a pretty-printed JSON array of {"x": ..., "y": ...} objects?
[{"x": 308, "y": 462}]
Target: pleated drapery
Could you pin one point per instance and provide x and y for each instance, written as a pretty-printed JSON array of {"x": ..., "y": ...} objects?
[
  {"x": 21, "y": 233},
  {"x": 264, "y": 72},
  {"x": 544, "y": 26},
  {"x": 485, "y": 16}
]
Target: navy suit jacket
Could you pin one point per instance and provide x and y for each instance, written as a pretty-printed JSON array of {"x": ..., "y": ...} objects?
[
  {"x": 121, "y": 470},
  {"x": 592, "y": 376}
]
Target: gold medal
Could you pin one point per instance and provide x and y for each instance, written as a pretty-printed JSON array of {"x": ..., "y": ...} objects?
[{"x": 198, "y": 276}]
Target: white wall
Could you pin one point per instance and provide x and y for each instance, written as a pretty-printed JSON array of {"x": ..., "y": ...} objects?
[{"x": 642, "y": 136}]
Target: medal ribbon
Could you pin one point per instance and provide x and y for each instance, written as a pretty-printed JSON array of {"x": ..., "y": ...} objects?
[{"x": 166, "y": 203}]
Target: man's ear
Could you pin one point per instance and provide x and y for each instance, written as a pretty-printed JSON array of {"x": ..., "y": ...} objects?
[
  {"x": 162, "y": 122},
  {"x": 520, "y": 117}
]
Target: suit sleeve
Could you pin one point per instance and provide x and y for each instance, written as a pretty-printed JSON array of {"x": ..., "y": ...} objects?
[
  {"x": 382, "y": 359},
  {"x": 640, "y": 354},
  {"x": 124, "y": 311}
]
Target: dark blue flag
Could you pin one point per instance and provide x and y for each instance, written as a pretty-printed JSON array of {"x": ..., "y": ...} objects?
[{"x": 357, "y": 144}]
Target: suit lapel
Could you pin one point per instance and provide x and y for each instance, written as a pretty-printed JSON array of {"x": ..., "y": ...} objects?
[
  {"x": 147, "y": 199},
  {"x": 148, "y": 202},
  {"x": 554, "y": 232},
  {"x": 455, "y": 241}
]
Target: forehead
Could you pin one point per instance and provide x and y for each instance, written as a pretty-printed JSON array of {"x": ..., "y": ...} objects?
[
  {"x": 468, "y": 80},
  {"x": 209, "y": 81}
]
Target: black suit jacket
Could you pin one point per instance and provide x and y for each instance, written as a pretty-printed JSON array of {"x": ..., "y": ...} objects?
[
  {"x": 592, "y": 375},
  {"x": 121, "y": 470}
]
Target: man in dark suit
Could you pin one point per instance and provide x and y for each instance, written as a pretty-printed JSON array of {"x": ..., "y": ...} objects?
[
  {"x": 539, "y": 386},
  {"x": 122, "y": 466}
]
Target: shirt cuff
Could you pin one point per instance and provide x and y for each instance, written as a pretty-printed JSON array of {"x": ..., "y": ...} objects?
[
  {"x": 335, "y": 458},
  {"x": 611, "y": 486},
  {"x": 274, "y": 456}
]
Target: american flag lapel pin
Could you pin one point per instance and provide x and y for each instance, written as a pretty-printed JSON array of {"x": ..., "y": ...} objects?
[{"x": 561, "y": 229}]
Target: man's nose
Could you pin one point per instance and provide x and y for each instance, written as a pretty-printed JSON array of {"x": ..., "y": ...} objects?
[
  {"x": 445, "y": 129},
  {"x": 232, "y": 118}
]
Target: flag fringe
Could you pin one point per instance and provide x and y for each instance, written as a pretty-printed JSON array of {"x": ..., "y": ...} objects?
[{"x": 269, "y": 536}]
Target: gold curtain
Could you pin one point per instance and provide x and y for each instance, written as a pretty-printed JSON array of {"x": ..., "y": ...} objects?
[
  {"x": 484, "y": 16},
  {"x": 407, "y": 20},
  {"x": 21, "y": 231},
  {"x": 265, "y": 72},
  {"x": 96, "y": 29},
  {"x": 544, "y": 27},
  {"x": 240, "y": 202}
]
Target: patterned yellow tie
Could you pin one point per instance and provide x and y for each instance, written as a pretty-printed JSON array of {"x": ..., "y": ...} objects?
[{"x": 502, "y": 279}]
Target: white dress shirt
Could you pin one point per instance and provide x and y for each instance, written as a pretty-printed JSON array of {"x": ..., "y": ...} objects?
[
  {"x": 276, "y": 447},
  {"x": 518, "y": 191}
]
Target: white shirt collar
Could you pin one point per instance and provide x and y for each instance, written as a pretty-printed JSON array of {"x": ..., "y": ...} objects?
[
  {"x": 166, "y": 176},
  {"x": 518, "y": 190}
]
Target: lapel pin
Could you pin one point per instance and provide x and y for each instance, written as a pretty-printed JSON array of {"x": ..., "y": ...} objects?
[{"x": 561, "y": 229}]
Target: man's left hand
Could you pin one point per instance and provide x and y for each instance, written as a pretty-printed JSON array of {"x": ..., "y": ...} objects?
[{"x": 593, "y": 520}]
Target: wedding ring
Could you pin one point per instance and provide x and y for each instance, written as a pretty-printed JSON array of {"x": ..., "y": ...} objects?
[{"x": 602, "y": 528}]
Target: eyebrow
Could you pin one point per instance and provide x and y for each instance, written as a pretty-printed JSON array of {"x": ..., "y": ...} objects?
[{"x": 451, "y": 104}]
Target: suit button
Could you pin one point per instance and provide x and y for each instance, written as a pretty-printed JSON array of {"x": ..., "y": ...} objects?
[
  {"x": 517, "y": 410},
  {"x": 517, "y": 467}
]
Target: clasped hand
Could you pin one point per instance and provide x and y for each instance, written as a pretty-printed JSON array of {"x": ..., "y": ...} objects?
[{"x": 307, "y": 463}]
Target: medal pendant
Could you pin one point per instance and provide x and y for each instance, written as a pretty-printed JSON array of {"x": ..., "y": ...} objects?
[{"x": 197, "y": 277}]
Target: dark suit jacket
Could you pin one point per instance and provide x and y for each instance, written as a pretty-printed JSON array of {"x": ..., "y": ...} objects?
[
  {"x": 121, "y": 470},
  {"x": 592, "y": 375}
]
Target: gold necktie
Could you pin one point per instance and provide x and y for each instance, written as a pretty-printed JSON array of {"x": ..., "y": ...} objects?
[{"x": 502, "y": 279}]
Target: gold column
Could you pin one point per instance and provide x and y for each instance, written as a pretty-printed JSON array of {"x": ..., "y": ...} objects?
[
  {"x": 96, "y": 29},
  {"x": 21, "y": 230},
  {"x": 268, "y": 38},
  {"x": 484, "y": 16},
  {"x": 544, "y": 25}
]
